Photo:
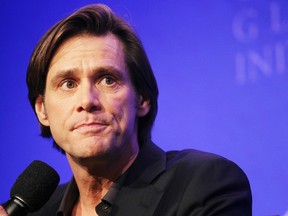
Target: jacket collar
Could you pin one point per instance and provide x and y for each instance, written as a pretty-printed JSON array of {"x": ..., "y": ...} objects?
[{"x": 138, "y": 195}]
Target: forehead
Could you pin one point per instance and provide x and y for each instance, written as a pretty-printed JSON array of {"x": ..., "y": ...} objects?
[{"x": 93, "y": 50}]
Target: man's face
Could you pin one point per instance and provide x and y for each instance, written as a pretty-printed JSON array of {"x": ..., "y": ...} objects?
[{"x": 90, "y": 104}]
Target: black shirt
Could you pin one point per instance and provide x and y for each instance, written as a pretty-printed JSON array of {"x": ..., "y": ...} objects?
[{"x": 104, "y": 208}]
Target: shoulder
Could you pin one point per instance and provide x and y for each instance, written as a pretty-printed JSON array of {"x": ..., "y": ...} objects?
[
  {"x": 211, "y": 179},
  {"x": 192, "y": 157},
  {"x": 204, "y": 164}
]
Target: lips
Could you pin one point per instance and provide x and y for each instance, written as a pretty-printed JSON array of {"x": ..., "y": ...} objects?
[{"x": 93, "y": 127}]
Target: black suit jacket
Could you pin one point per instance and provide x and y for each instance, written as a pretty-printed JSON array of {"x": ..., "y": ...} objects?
[{"x": 177, "y": 183}]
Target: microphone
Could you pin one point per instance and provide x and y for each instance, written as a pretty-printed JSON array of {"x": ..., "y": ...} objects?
[{"x": 32, "y": 189}]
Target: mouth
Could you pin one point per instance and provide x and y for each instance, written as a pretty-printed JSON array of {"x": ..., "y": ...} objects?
[{"x": 90, "y": 128}]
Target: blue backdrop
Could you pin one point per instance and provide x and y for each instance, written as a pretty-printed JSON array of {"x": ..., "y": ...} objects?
[{"x": 222, "y": 69}]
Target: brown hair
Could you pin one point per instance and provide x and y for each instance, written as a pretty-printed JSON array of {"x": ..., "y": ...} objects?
[{"x": 97, "y": 19}]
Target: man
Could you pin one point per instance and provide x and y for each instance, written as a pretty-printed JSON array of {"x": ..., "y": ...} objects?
[{"x": 93, "y": 90}]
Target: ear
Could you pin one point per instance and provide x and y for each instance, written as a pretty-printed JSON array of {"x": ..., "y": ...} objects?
[
  {"x": 143, "y": 107},
  {"x": 40, "y": 111}
]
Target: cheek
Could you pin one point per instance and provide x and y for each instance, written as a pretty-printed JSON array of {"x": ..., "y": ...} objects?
[
  {"x": 123, "y": 108},
  {"x": 58, "y": 117},
  {"x": 57, "y": 112}
]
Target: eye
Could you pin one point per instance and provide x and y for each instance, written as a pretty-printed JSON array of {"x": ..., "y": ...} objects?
[
  {"x": 108, "y": 80},
  {"x": 68, "y": 84}
]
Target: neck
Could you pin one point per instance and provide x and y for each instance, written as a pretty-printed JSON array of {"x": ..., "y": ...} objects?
[{"x": 94, "y": 177}]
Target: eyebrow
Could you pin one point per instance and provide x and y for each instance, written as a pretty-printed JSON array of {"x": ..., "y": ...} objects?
[
  {"x": 63, "y": 74},
  {"x": 110, "y": 70},
  {"x": 99, "y": 71}
]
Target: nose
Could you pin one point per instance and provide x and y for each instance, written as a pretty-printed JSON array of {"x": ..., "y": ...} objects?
[{"x": 88, "y": 98}]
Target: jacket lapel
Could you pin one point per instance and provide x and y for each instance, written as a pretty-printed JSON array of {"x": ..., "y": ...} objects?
[{"x": 138, "y": 195}]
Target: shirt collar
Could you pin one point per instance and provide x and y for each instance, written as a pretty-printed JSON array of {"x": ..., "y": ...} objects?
[{"x": 71, "y": 195}]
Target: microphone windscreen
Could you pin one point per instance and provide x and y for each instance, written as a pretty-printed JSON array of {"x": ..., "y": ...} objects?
[{"x": 35, "y": 185}]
